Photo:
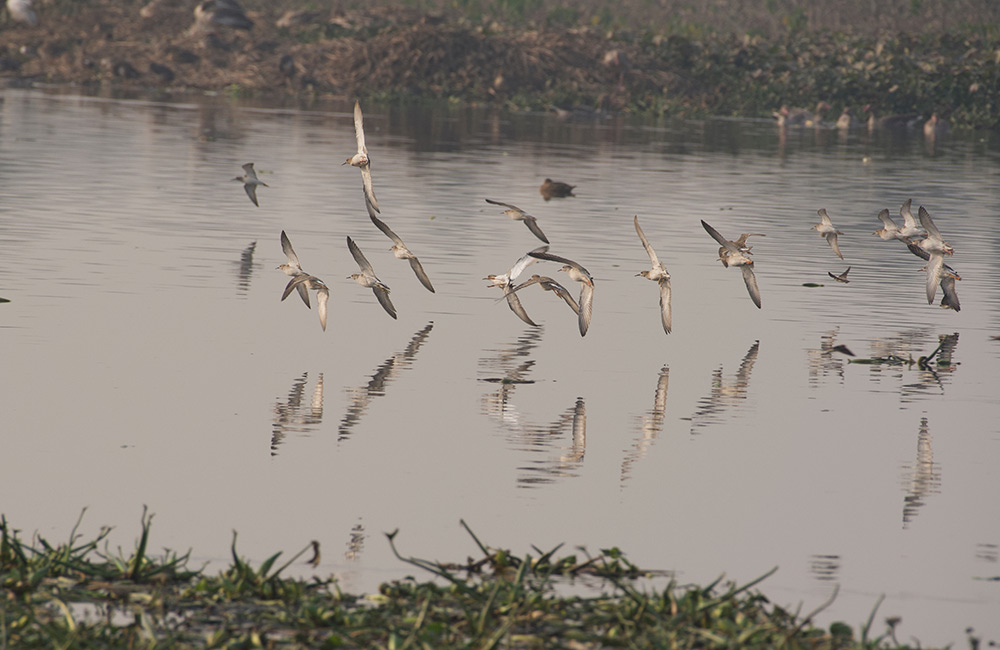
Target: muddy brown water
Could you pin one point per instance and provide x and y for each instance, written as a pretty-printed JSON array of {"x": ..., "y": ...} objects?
[{"x": 148, "y": 359}]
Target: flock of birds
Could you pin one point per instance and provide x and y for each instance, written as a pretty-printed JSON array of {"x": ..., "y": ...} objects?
[
  {"x": 801, "y": 117},
  {"x": 923, "y": 240}
]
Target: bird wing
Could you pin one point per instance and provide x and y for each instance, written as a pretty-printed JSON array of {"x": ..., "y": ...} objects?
[
  {"x": 950, "y": 299},
  {"x": 934, "y": 267},
  {"x": 725, "y": 243},
  {"x": 532, "y": 225},
  {"x": 359, "y": 257},
  {"x": 645, "y": 243},
  {"x": 665, "y": 313},
  {"x": 904, "y": 211},
  {"x": 824, "y": 218},
  {"x": 919, "y": 252},
  {"x": 418, "y": 270},
  {"x": 928, "y": 224},
  {"x": 366, "y": 183},
  {"x": 525, "y": 260},
  {"x": 299, "y": 283},
  {"x": 322, "y": 296},
  {"x": 251, "y": 191},
  {"x": 383, "y": 299},
  {"x": 506, "y": 205},
  {"x": 751, "y": 281},
  {"x": 286, "y": 248},
  {"x": 586, "y": 306},
  {"x": 248, "y": 169},
  {"x": 887, "y": 220},
  {"x": 542, "y": 255},
  {"x": 381, "y": 225},
  {"x": 515, "y": 306},
  {"x": 832, "y": 239},
  {"x": 359, "y": 128}
]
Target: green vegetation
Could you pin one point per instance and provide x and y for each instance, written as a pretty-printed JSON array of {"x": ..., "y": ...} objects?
[{"x": 75, "y": 595}]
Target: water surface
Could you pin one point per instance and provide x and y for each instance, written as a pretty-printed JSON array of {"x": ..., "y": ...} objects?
[{"x": 149, "y": 360}]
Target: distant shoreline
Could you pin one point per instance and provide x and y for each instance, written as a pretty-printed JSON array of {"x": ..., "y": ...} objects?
[{"x": 390, "y": 54}]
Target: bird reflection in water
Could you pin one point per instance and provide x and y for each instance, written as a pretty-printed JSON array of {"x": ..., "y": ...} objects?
[
  {"x": 361, "y": 396},
  {"x": 509, "y": 369},
  {"x": 293, "y": 416},
  {"x": 724, "y": 392},
  {"x": 650, "y": 425},
  {"x": 828, "y": 360},
  {"x": 356, "y": 544},
  {"x": 824, "y": 567},
  {"x": 546, "y": 439},
  {"x": 246, "y": 267},
  {"x": 893, "y": 357},
  {"x": 935, "y": 369},
  {"x": 921, "y": 479}
]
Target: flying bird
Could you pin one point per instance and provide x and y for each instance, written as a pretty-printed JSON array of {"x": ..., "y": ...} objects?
[
  {"x": 910, "y": 227},
  {"x": 731, "y": 255},
  {"x": 825, "y": 228},
  {"x": 938, "y": 273},
  {"x": 367, "y": 278},
  {"x": 401, "y": 252},
  {"x": 579, "y": 274},
  {"x": 505, "y": 281},
  {"x": 305, "y": 281},
  {"x": 361, "y": 159},
  {"x": 293, "y": 268},
  {"x": 933, "y": 242},
  {"x": 843, "y": 276},
  {"x": 517, "y": 214},
  {"x": 548, "y": 284},
  {"x": 658, "y": 273},
  {"x": 250, "y": 182}
]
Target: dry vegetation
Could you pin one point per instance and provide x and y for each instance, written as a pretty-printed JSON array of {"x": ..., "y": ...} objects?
[{"x": 666, "y": 56}]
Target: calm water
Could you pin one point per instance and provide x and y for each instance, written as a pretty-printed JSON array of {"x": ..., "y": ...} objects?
[{"x": 147, "y": 359}]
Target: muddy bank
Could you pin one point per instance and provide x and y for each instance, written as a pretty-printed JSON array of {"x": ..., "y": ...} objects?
[{"x": 399, "y": 52}]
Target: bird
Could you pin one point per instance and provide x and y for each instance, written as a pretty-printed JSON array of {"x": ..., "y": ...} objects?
[
  {"x": 938, "y": 273},
  {"x": 932, "y": 242},
  {"x": 220, "y": 12},
  {"x": 800, "y": 116},
  {"x": 579, "y": 274},
  {"x": 741, "y": 241},
  {"x": 505, "y": 280},
  {"x": 902, "y": 121},
  {"x": 910, "y": 227},
  {"x": 731, "y": 255},
  {"x": 517, "y": 214},
  {"x": 293, "y": 268},
  {"x": 826, "y": 229},
  {"x": 21, "y": 11},
  {"x": 555, "y": 189},
  {"x": 889, "y": 230},
  {"x": 250, "y": 182},
  {"x": 658, "y": 273},
  {"x": 305, "y": 281},
  {"x": 548, "y": 284},
  {"x": 361, "y": 159},
  {"x": 935, "y": 126},
  {"x": 843, "y": 276},
  {"x": 367, "y": 278},
  {"x": 401, "y": 252},
  {"x": 846, "y": 119}
]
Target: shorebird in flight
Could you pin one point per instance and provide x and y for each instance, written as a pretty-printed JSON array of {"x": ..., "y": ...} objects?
[
  {"x": 505, "y": 281},
  {"x": 579, "y": 274},
  {"x": 361, "y": 159},
  {"x": 825, "y": 228},
  {"x": 517, "y": 214},
  {"x": 305, "y": 281},
  {"x": 658, "y": 273},
  {"x": 548, "y": 284},
  {"x": 401, "y": 252},
  {"x": 367, "y": 278},
  {"x": 293, "y": 268},
  {"x": 250, "y": 182},
  {"x": 731, "y": 255}
]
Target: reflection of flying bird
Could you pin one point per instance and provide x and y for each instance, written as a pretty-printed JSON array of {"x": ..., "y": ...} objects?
[
  {"x": 401, "y": 252},
  {"x": 725, "y": 393},
  {"x": 577, "y": 273},
  {"x": 361, "y": 159},
  {"x": 658, "y": 273},
  {"x": 246, "y": 267},
  {"x": 924, "y": 477},
  {"x": 652, "y": 424},
  {"x": 292, "y": 416},
  {"x": 250, "y": 182},
  {"x": 517, "y": 214},
  {"x": 367, "y": 278},
  {"x": 292, "y": 267},
  {"x": 505, "y": 280},
  {"x": 731, "y": 255},
  {"x": 826, "y": 230}
]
